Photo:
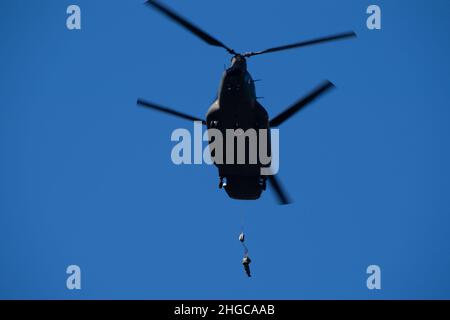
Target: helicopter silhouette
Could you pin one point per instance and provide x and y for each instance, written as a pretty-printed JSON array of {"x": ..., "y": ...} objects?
[{"x": 237, "y": 107}]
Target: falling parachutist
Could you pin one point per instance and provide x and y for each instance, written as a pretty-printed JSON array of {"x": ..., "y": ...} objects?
[{"x": 246, "y": 260}]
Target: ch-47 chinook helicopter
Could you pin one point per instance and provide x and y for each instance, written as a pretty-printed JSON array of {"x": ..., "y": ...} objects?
[{"x": 237, "y": 107}]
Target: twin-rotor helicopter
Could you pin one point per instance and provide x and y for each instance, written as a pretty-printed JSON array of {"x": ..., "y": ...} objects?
[{"x": 237, "y": 106}]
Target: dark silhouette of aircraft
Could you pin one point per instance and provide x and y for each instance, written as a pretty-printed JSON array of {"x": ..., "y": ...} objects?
[{"x": 238, "y": 107}]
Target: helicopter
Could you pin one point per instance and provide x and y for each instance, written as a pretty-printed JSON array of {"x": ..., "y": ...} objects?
[{"x": 237, "y": 107}]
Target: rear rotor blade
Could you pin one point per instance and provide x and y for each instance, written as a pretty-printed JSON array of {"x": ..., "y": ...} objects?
[
  {"x": 153, "y": 106},
  {"x": 189, "y": 26},
  {"x": 296, "y": 107},
  {"x": 281, "y": 195},
  {"x": 340, "y": 36}
]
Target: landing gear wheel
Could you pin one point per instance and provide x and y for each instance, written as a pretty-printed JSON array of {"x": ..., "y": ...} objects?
[{"x": 263, "y": 184}]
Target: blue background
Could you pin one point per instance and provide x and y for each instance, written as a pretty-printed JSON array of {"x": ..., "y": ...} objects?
[{"x": 86, "y": 176}]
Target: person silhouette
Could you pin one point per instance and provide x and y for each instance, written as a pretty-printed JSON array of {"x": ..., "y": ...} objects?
[{"x": 246, "y": 262}]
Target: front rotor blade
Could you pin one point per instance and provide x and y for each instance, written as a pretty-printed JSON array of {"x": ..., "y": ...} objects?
[
  {"x": 189, "y": 26},
  {"x": 340, "y": 36},
  {"x": 281, "y": 195},
  {"x": 168, "y": 111},
  {"x": 296, "y": 107}
]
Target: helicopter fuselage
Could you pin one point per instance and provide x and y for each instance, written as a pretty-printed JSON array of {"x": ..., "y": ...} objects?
[{"x": 237, "y": 107}]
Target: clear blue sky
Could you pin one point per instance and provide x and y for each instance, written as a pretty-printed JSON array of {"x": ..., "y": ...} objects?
[{"x": 86, "y": 176}]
